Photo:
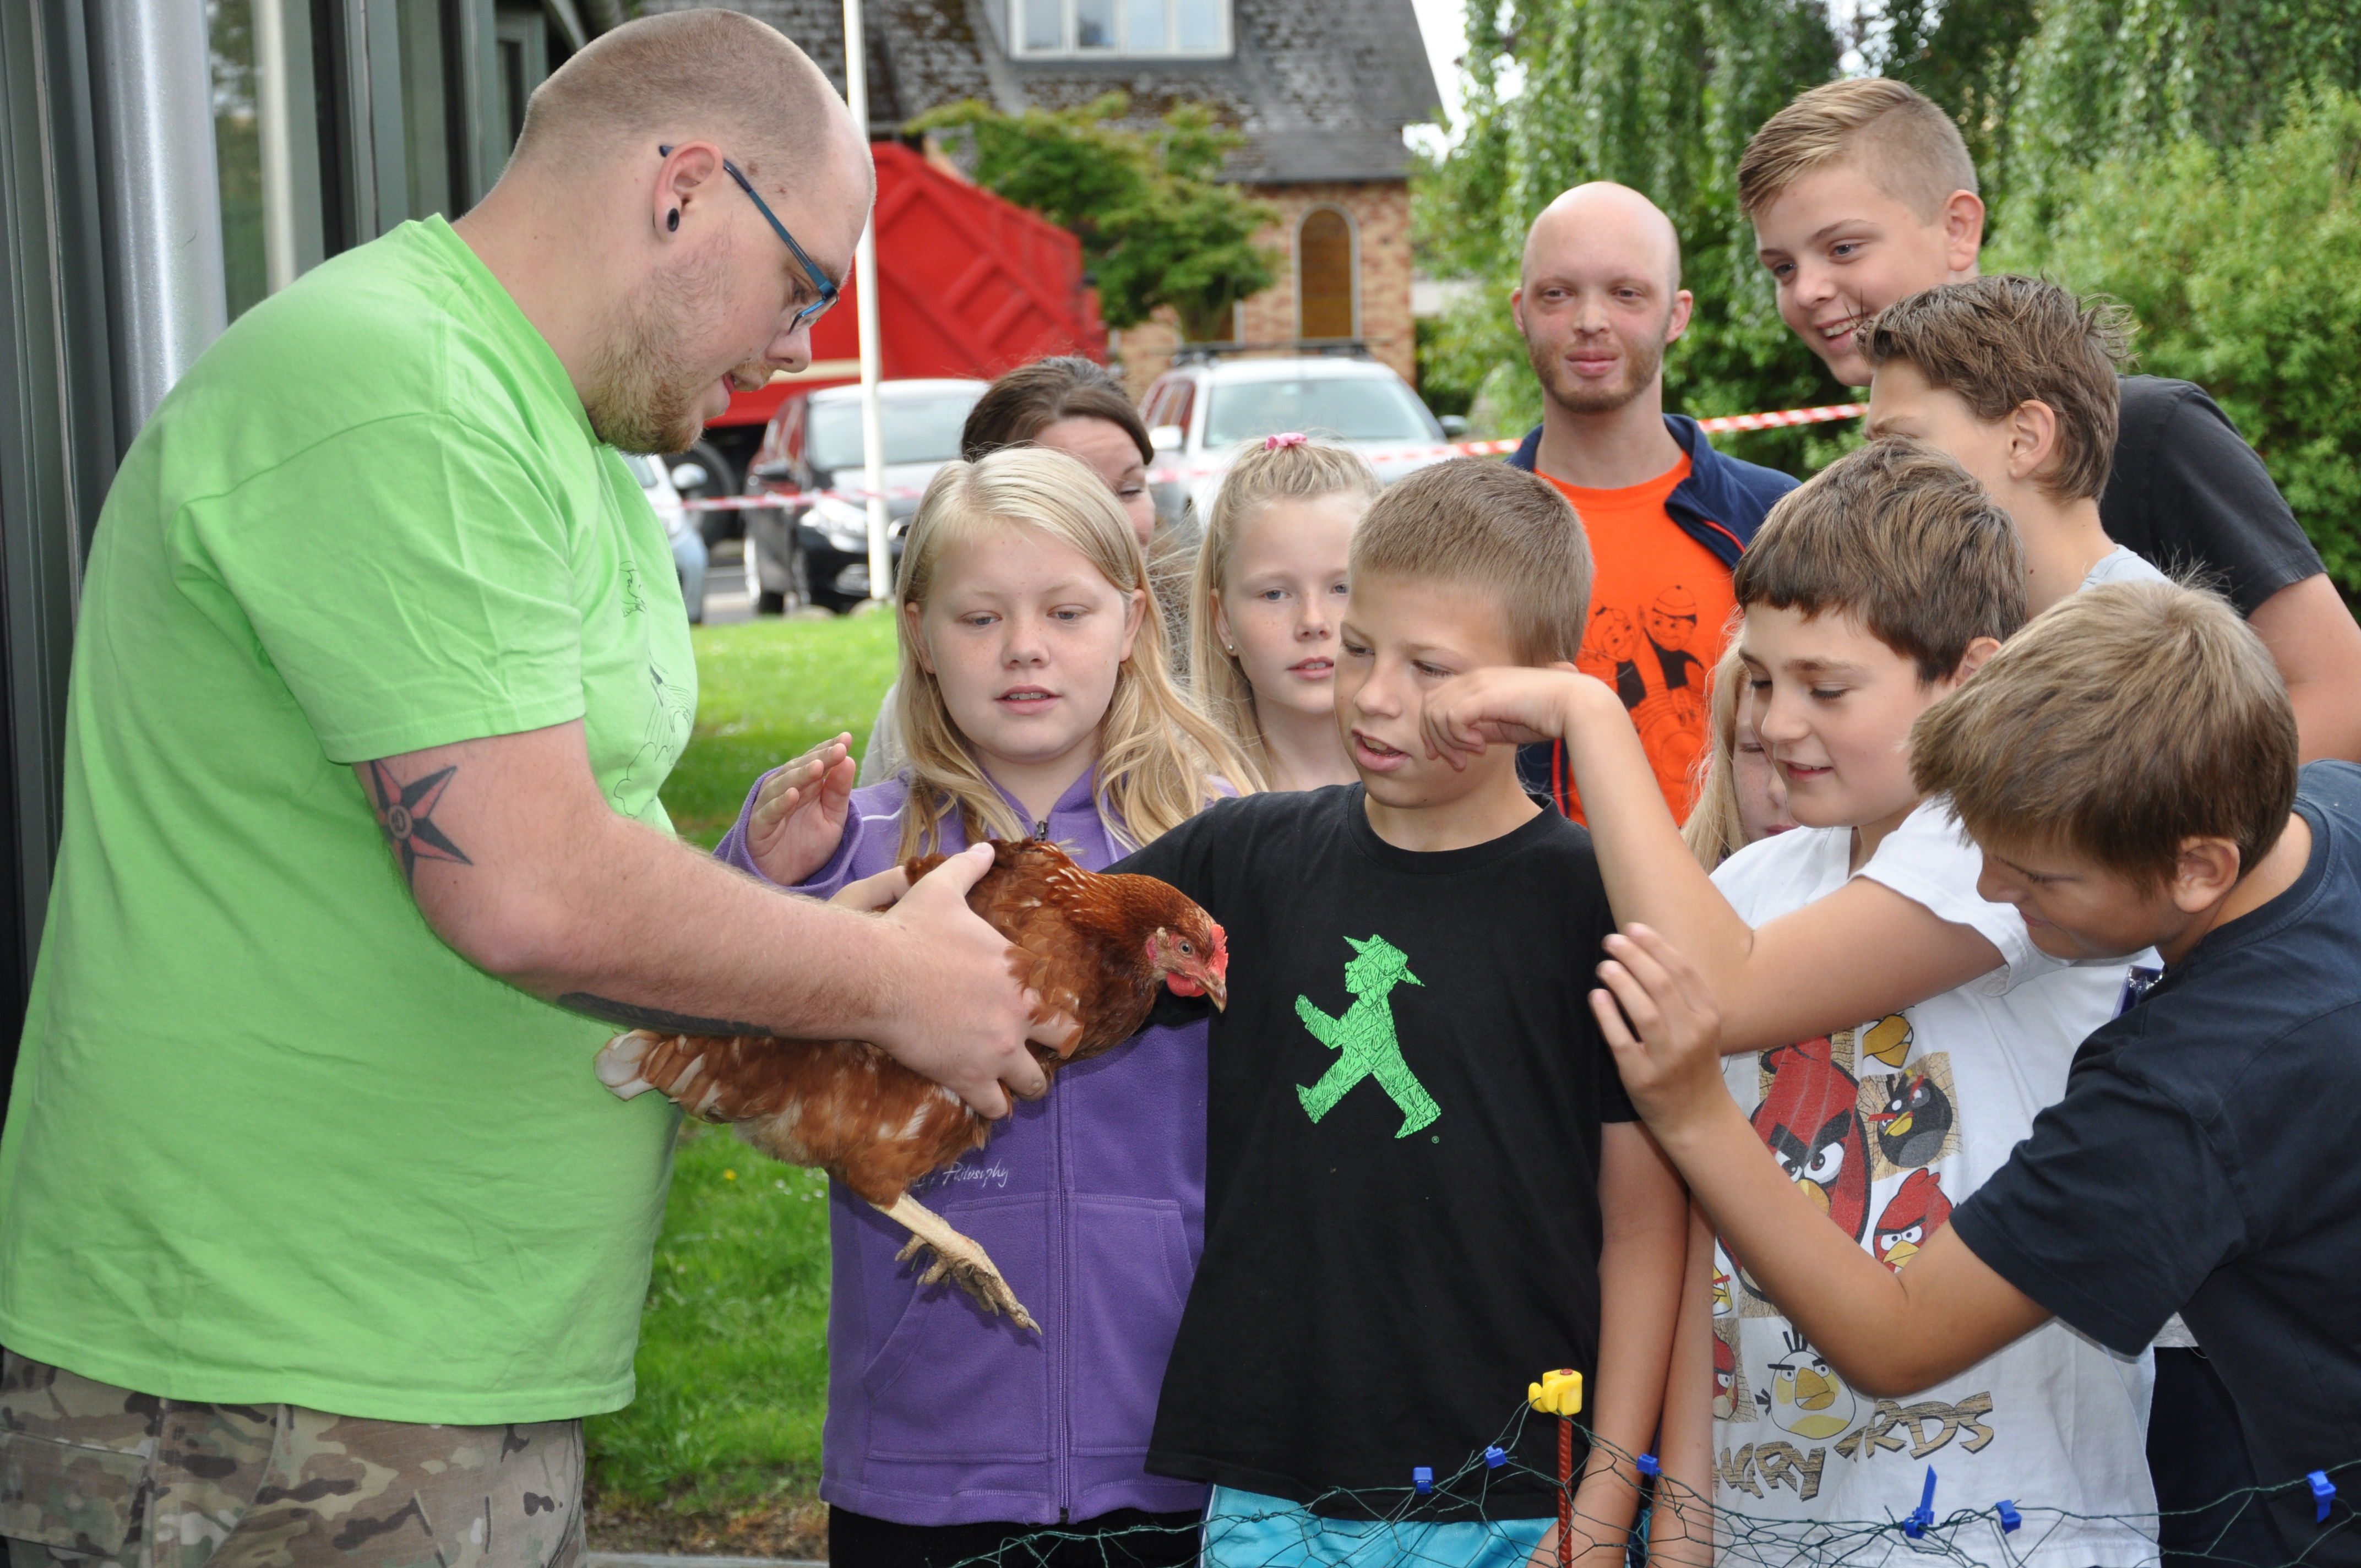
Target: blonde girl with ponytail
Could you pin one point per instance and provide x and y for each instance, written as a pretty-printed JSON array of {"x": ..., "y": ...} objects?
[{"x": 1269, "y": 596}]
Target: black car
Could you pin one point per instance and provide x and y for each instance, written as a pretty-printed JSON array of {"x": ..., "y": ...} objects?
[{"x": 815, "y": 549}]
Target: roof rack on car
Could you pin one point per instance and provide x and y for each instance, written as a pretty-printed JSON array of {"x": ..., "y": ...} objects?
[{"x": 1345, "y": 347}]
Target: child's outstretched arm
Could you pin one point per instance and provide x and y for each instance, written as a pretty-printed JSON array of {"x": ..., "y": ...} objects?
[
  {"x": 1863, "y": 951},
  {"x": 1890, "y": 1333},
  {"x": 797, "y": 818},
  {"x": 1645, "y": 1217}
]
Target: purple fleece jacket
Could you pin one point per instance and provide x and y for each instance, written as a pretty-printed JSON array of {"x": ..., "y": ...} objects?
[{"x": 1092, "y": 1201}]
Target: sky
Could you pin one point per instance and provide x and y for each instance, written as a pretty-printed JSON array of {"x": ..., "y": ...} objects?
[{"x": 1444, "y": 24}]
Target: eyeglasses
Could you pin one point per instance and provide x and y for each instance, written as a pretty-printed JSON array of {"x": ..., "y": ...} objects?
[{"x": 828, "y": 290}]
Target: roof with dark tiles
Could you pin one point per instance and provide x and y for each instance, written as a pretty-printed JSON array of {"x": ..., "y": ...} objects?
[{"x": 1321, "y": 88}]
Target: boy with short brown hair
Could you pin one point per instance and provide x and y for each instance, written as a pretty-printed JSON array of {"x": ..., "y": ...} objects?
[
  {"x": 2016, "y": 381},
  {"x": 1419, "y": 1166},
  {"x": 1862, "y": 193},
  {"x": 2128, "y": 765}
]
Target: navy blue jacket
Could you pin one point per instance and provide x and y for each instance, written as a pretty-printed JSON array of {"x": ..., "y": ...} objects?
[
  {"x": 1722, "y": 502},
  {"x": 1719, "y": 505}
]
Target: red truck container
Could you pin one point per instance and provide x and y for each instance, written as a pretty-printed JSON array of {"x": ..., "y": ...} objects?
[{"x": 968, "y": 284}]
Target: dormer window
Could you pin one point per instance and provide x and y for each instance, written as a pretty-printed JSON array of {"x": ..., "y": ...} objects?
[{"x": 1088, "y": 29}]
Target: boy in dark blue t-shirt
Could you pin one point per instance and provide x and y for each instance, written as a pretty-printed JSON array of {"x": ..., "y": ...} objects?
[{"x": 2128, "y": 766}]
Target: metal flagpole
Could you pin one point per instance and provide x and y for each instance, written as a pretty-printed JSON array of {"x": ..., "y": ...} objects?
[{"x": 864, "y": 274}]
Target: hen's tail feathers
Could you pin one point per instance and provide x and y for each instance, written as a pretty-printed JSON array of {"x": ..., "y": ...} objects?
[
  {"x": 709, "y": 1076},
  {"x": 956, "y": 1258},
  {"x": 620, "y": 1060}
]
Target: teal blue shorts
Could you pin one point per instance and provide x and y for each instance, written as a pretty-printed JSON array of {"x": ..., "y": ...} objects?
[{"x": 1246, "y": 1529}]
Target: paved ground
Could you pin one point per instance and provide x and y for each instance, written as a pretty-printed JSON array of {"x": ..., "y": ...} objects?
[{"x": 727, "y": 601}]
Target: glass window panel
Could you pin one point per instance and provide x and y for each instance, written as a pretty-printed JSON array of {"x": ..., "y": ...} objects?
[
  {"x": 237, "y": 150},
  {"x": 427, "y": 143},
  {"x": 1200, "y": 23},
  {"x": 1044, "y": 24},
  {"x": 1323, "y": 262},
  {"x": 1362, "y": 408},
  {"x": 1094, "y": 24},
  {"x": 1144, "y": 27}
]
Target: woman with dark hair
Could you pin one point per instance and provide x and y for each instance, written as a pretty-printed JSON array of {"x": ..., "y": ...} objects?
[{"x": 1075, "y": 406}]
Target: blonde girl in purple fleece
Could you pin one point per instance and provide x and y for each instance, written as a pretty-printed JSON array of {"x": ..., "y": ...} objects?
[{"x": 1034, "y": 698}]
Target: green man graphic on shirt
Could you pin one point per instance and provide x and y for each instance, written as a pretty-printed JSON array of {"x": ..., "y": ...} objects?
[{"x": 1365, "y": 1035}]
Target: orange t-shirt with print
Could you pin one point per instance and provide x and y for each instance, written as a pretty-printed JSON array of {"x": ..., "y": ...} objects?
[{"x": 1660, "y": 610}]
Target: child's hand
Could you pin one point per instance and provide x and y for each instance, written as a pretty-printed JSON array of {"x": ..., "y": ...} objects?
[
  {"x": 1496, "y": 706},
  {"x": 1673, "y": 1070},
  {"x": 872, "y": 893},
  {"x": 799, "y": 810}
]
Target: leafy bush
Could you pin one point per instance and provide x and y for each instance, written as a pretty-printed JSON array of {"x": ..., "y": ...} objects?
[{"x": 2244, "y": 266}]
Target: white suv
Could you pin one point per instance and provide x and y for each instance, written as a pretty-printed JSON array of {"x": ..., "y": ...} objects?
[{"x": 1198, "y": 412}]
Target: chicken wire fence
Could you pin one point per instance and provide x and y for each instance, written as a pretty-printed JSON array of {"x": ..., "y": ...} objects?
[{"x": 1392, "y": 1524}]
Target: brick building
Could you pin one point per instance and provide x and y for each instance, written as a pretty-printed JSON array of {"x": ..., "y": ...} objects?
[{"x": 1321, "y": 88}]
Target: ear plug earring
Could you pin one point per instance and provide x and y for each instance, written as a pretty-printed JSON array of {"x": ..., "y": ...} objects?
[{"x": 672, "y": 220}]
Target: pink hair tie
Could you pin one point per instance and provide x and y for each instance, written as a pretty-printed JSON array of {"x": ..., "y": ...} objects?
[{"x": 1292, "y": 438}]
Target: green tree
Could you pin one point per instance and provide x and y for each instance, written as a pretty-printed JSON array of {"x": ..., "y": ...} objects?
[
  {"x": 2243, "y": 267},
  {"x": 1659, "y": 95},
  {"x": 2104, "y": 79},
  {"x": 1157, "y": 226}
]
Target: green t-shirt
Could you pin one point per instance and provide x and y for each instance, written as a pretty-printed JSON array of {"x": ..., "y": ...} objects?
[{"x": 270, "y": 1140}]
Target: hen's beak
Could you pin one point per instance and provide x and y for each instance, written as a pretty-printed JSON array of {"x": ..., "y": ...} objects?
[{"x": 1217, "y": 990}]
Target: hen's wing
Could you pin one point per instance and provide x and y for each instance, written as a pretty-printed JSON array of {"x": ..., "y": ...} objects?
[{"x": 1071, "y": 932}]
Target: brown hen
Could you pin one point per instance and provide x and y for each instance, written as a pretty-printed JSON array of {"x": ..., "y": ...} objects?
[{"x": 1093, "y": 948}]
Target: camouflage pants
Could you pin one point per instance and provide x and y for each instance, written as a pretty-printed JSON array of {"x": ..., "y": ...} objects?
[{"x": 96, "y": 1476}]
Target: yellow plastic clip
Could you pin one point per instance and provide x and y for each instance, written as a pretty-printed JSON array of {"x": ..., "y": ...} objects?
[{"x": 1557, "y": 1394}]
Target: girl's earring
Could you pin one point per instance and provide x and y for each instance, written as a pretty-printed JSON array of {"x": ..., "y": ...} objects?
[{"x": 672, "y": 221}]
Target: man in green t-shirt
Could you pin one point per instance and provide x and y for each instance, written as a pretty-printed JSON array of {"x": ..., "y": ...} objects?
[{"x": 318, "y": 1235}]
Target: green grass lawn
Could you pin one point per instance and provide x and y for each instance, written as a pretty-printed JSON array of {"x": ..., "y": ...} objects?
[
  {"x": 721, "y": 1449},
  {"x": 767, "y": 690},
  {"x": 733, "y": 1348}
]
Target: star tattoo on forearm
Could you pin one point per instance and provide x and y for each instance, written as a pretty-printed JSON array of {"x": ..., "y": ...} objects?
[{"x": 405, "y": 814}]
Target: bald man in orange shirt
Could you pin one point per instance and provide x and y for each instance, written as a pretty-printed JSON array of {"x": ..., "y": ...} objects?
[{"x": 1599, "y": 300}]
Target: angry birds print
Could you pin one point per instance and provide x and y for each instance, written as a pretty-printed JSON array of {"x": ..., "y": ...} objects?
[
  {"x": 1807, "y": 1397},
  {"x": 1915, "y": 1119},
  {"x": 1729, "y": 1389},
  {"x": 1915, "y": 1212},
  {"x": 1812, "y": 1124}
]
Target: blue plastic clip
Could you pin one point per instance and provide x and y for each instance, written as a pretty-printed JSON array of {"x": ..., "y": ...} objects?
[
  {"x": 1423, "y": 1479},
  {"x": 1648, "y": 1465},
  {"x": 1495, "y": 1457},
  {"x": 2323, "y": 1491},
  {"x": 1924, "y": 1514},
  {"x": 2009, "y": 1518}
]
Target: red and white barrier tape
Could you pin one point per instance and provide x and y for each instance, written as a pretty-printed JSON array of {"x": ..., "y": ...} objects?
[{"x": 1720, "y": 424}]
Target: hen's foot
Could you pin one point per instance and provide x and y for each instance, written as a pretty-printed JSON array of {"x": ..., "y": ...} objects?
[{"x": 957, "y": 1259}]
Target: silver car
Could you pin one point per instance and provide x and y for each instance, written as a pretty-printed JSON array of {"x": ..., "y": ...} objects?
[
  {"x": 1200, "y": 410},
  {"x": 814, "y": 548}
]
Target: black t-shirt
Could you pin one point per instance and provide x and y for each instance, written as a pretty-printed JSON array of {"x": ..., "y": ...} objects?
[
  {"x": 1403, "y": 1134},
  {"x": 2203, "y": 1162},
  {"x": 2186, "y": 490}
]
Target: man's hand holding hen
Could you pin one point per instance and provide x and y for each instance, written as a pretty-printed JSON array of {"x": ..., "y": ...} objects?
[
  {"x": 964, "y": 1021},
  {"x": 799, "y": 810}
]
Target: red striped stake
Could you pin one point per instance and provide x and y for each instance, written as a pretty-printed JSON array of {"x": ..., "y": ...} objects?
[
  {"x": 1559, "y": 1394},
  {"x": 1565, "y": 1492}
]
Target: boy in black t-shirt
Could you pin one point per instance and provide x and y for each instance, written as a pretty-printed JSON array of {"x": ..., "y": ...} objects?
[
  {"x": 1421, "y": 1169},
  {"x": 1862, "y": 193},
  {"x": 2127, "y": 765}
]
